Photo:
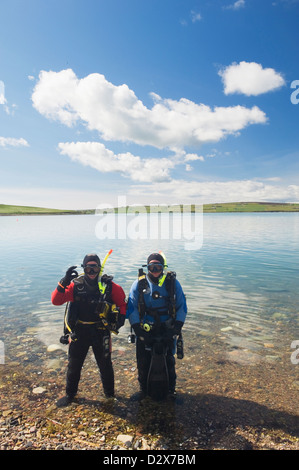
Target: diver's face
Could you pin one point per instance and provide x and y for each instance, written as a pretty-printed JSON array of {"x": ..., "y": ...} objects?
[
  {"x": 155, "y": 268},
  {"x": 92, "y": 270}
]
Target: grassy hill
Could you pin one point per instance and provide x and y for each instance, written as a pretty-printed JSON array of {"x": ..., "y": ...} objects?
[
  {"x": 211, "y": 208},
  {"x": 252, "y": 207},
  {"x": 28, "y": 210},
  {"x": 207, "y": 208}
]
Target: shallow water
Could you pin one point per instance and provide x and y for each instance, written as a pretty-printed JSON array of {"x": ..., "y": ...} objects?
[{"x": 241, "y": 284}]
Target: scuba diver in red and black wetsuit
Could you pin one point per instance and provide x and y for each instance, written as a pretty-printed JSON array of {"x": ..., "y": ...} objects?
[{"x": 96, "y": 306}]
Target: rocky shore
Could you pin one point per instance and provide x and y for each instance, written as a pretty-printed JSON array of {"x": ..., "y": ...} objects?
[
  {"x": 125, "y": 425},
  {"x": 221, "y": 403}
]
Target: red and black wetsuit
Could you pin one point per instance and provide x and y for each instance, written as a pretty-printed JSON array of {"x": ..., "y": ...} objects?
[{"x": 84, "y": 298}]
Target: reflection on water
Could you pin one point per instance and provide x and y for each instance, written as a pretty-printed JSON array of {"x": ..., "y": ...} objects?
[{"x": 242, "y": 280}]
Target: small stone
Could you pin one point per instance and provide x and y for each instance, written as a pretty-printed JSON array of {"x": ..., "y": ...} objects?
[
  {"x": 273, "y": 359},
  {"x": 54, "y": 364},
  {"x": 295, "y": 384},
  {"x": 53, "y": 347},
  {"x": 125, "y": 439},
  {"x": 243, "y": 357},
  {"x": 144, "y": 444},
  {"x": 137, "y": 444},
  {"x": 28, "y": 445},
  {"x": 38, "y": 390},
  {"x": 227, "y": 328}
]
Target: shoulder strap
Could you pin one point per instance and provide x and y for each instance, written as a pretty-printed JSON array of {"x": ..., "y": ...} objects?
[
  {"x": 105, "y": 285},
  {"x": 142, "y": 286},
  {"x": 142, "y": 281}
]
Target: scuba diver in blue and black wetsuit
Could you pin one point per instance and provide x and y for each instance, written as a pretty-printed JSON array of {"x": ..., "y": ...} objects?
[{"x": 157, "y": 311}]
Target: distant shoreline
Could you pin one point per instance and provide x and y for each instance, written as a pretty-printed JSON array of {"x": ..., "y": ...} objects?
[
  {"x": 244, "y": 207},
  {"x": 29, "y": 210}
]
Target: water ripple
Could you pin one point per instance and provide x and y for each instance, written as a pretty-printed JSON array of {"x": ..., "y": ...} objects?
[{"x": 244, "y": 275}]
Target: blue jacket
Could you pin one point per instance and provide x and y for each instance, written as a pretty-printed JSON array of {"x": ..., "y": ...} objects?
[{"x": 160, "y": 303}]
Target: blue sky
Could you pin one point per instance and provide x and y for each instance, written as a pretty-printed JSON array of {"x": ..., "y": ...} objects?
[{"x": 148, "y": 101}]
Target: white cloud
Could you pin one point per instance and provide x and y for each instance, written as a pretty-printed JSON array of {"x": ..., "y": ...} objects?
[
  {"x": 97, "y": 156},
  {"x": 236, "y": 5},
  {"x": 175, "y": 191},
  {"x": 12, "y": 142},
  {"x": 3, "y": 100},
  {"x": 118, "y": 115},
  {"x": 250, "y": 78},
  {"x": 195, "y": 16},
  {"x": 191, "y": 157},
  {"x": 217, "y": 191},
  {"x": 147, "y": 170},
  {"x": 54, "y": 197}
]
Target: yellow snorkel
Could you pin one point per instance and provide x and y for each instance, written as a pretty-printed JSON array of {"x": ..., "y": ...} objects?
[
  {"x": 104, "y": 261},
  {"x": 101, "y": 287},
  {"x": 161, "y": 281}
]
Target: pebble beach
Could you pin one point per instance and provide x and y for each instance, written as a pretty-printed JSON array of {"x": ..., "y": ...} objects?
[{"x": 224, "y": 401}]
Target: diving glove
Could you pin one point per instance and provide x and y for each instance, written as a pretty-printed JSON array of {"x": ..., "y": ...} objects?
[
  {"x": 178, "y": 325},
  {"x": 64, "y": 339},
  {"x": 67, "y": 279}
]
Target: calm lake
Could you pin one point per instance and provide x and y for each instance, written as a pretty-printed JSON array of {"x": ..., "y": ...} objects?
[{"x": 241, "y": 283}]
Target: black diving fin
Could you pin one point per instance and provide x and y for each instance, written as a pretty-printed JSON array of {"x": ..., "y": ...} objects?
[{"x": 157, "y": 380}]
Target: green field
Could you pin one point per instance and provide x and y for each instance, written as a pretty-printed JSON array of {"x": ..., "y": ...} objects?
[
  {"x": 207, "y": 208},
  {"x": 211, "y": 208},
  {"x": 252, "y": 207},
  {"x": 28, "y": 210}
]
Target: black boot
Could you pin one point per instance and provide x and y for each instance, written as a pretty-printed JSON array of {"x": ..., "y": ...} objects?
[
  {"x": 172, "y": 395},
  {"x": 138, "y": 396},
  {"x": 64, "y": 401}
]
